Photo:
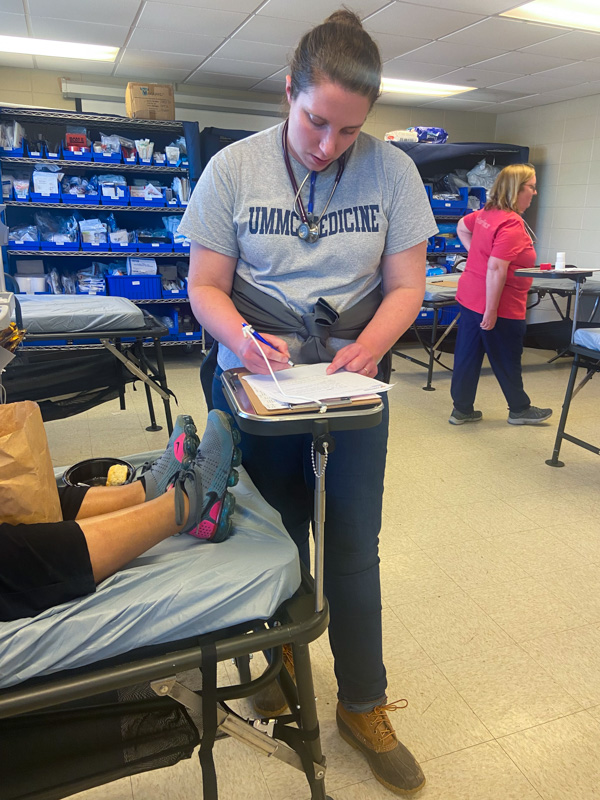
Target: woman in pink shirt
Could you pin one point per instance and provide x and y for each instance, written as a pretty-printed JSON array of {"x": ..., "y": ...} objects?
[{"x": 493, "y": 299}]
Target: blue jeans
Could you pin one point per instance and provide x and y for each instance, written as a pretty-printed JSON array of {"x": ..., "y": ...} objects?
[
  {"x": 281, "y": 468},
  {"x": 503, "y": 346}
]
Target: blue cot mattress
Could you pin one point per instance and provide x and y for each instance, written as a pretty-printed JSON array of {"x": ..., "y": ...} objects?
[{"x": 180, "y": 588}]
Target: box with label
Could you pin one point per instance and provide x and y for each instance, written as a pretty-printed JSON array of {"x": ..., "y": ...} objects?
[{"x": 150, "y": 101}]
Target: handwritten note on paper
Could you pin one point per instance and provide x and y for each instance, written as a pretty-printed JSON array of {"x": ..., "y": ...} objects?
[{"x": 310, "y": 383}]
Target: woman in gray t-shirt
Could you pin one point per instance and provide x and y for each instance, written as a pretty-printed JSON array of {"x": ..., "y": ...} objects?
[{"x": 329, "y": 265}]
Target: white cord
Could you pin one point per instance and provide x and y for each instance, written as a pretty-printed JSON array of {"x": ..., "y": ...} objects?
[{"x": 248, "y": 330}]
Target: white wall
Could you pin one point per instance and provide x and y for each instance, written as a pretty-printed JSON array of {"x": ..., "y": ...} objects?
[
  {"x": 42, "y": 88},
  {"x": 565, "y": 149}
]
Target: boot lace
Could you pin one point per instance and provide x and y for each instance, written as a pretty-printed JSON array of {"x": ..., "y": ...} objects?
[{"x": 379, "y": 719}]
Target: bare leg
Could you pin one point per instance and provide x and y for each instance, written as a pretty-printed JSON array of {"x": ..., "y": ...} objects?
[
  {"x": 116, "y": 538},
  {"x": 104, "y": 499}
]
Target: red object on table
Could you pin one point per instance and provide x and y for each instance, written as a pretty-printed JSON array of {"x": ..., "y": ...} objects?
[{"x": 545, "y": 266}]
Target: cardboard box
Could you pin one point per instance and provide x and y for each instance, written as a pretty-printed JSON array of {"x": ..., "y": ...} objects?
[
  {"x": 32, "y": 266},
  {"x": 150, "y": 101}
]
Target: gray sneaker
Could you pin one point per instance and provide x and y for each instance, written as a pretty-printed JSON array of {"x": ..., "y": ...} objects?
[
  {"x": 458, "y": 418},
  {"x": 531, "y": 416}
]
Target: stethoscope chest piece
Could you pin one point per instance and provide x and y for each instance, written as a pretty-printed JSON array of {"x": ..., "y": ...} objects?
[{"x": 308, "y": 232}]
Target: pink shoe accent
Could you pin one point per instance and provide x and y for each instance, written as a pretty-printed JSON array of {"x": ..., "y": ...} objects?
[
  {"x": 178, "y": 447},
  {"x": 206, "y": 529}
]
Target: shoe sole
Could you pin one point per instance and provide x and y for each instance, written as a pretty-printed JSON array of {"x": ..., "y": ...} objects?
[
  {"x": 527, "y": 421},
  {"x": 186, "y": 445},
  {"x": 347, "y": 736},
  {"x": 454, "y": 421}
]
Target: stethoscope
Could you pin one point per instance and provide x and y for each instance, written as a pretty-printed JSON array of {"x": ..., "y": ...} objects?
[{"x": 308, "y": 230}]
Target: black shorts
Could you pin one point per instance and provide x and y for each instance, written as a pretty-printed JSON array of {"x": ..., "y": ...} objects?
[{"x": 44, "y": 564}]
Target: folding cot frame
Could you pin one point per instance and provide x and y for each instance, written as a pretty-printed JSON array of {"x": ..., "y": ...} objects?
[
  {"x": 127, "y": 347},
  {"x": 294, "y": 739}
]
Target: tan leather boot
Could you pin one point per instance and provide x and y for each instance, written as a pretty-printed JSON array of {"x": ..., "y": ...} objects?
[
  {"x": 372, "y": 733},
  {"x": 270, "y": 701}
]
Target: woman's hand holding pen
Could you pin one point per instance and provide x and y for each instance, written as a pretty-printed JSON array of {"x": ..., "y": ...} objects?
[{"x": 277, "y": 354}]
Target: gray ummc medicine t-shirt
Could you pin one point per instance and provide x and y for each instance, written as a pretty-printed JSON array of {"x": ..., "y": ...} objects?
[{"x": 243, "y": 206}]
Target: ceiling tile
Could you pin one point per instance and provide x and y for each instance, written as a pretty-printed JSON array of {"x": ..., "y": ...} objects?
[
  {"x": 115, "y": 12},
  {"x": 134, "y": 73},
  {"x": 506, "y": 34},
  {"x": 496, "y": 95},
  {"x": 212, "y": 22},
  {"x": 413, "y": 70},
  {"x": 576, "y": 45},
  {"x": 226, "y": 66},
  {"x": 475, "y": 77},
  {"x": 416, "y": 20},
  {"x": 270, "y": 85},
  {"x": 82, "y": 32},
  {"x": 580, "y": 72},
  {"x": 224, "y": 5},
  {"x": 15, "y": 60},
  {"x": 273, "y": 31},
  {"x": 173, "y": 42},
  {"x": 241, "y": 50},
  {"x": 149, "y": 58},
  {"x": 529, "y": 83},
  {"x": 73, "y": 66},
  {"x": 455, "y": 104},
  {"x": 522, "y": 63},
  {"x": 446, "y": 53},
  {"x": 316, "y": 11},
  {"x": 224, "y": 81},
  {"x": 12, "y": 6},
  {"x": 13, "y": 24},
  {"x": 393, "y": 46},
  {"x": 484, "y": 7}
]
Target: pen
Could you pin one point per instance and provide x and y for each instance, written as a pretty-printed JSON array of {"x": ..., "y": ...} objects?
[{"x": 263, "y": 340}]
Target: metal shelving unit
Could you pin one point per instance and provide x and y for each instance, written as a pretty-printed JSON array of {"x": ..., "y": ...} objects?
[
  {"x": 93, "y": 254},
  {"x": 91, "y": 165},
  {"x": 94, "y": 207}
]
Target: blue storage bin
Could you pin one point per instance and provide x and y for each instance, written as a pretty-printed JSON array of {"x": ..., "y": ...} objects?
[
  {"x": 103, "y": 247},
  {"x": 451, "y": 206},
  {"x": 480, "y": 193},
  {"x": 153, "y": 202},
  {"x": 17, "y": 152},
  {"x": 186, "y": 336},
  {"x": 80, "y": 199},
  {"x": 76, "y": 155},
  {"x": 25, "y": 199},
  {"x": 54, "y": 246},
  {"x": 172, "y": 312},
  {"x": 155, "y": 247},
  {"x": 53, "y": 154},
  {"x": 44, "y": 343},
  {"x": 36, "y": 197},
  {"x": 130, "y": 247},
  {"x": 107, "y": 158},
  {"x": 121, "y": 198},
  {"x": 449, "y": 314},
  {"x": 425, "y": 316},
  {"x": 41, "y": 153},
  {"x": 181, "y": 248},
  {"x": 454, "y": 244},
  {"x": 146, "y": 162},
  {"x": 136, "y": 287},
  {"x": 436, "y": 244},
  {"x": 131, "y": 159},
  {"x": 12, "y": 245},
  {"x": 175, "y": 292},
  {"x": 172, "y": 203}
]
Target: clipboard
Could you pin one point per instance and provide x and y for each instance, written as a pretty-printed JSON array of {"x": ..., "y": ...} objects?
[{"x": 251, "y": 404}]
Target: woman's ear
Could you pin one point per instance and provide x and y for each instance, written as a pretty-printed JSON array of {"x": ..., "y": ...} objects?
[{"x": 288, "y": 88}]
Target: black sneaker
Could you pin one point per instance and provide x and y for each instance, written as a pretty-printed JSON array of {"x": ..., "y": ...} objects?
[
  {"x": 531, "y": 416},
  {"x": 458, "y": 418}
]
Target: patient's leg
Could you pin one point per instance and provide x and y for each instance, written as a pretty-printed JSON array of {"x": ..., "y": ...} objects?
[
  {"x": 116, "y": 538},
  {"x": 104, "y": 499}
]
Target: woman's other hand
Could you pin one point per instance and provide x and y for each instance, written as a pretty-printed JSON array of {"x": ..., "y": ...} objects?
[
  {"x": 354, "y": 357},
  {"x": 489, "y": 320}
]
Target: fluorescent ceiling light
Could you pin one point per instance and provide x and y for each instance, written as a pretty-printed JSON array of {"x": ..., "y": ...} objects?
[
  {"x": 423, "y": 88},
  {"x": 580, "y": 14},
  {"x": 47, "y": 47}
]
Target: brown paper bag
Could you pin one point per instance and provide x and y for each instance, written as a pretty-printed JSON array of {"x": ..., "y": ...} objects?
[{"x": 28, "y": 490}]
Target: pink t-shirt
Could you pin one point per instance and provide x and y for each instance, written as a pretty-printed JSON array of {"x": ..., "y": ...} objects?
[{"x": 501, "y": 234}]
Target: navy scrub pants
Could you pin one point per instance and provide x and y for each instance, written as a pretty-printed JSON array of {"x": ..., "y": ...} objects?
[
  {"x": 281, "y": 468},
  {"x": 503, "y": 346}
]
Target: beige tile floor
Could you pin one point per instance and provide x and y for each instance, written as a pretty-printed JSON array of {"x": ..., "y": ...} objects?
[{"x": 491, "y": 598}]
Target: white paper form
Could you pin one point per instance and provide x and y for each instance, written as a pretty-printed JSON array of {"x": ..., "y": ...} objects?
[{"x": 310, "y": 383}]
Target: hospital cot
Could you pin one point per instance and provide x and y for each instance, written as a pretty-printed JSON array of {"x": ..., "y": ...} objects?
[{"x": 181, "y": 605}]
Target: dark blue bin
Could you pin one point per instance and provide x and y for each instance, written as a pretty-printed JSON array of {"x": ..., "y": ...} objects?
[{"x": 135, "y": 287}]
